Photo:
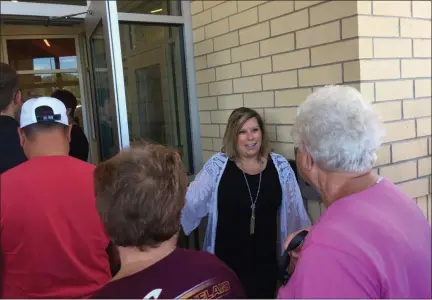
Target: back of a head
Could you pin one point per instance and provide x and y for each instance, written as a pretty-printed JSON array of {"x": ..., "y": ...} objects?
[
  {"x": 44, "y": 126},
  {"x": 339, "y": 129},
  {"x": 140, "y": 193},
  {"x": 8, "y": 85},
  {"x": 68, "y": 99}
]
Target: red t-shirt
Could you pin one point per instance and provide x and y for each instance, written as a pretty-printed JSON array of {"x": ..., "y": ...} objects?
[
  {"x": 52, "y": 239},
  {"x": 185, "y": 274}
]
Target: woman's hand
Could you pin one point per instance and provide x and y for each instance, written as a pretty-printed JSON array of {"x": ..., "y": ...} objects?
[{"x": 294, "y": 254}]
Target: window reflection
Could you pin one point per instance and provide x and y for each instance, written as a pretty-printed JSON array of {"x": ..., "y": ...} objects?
[
  {"x": 42, "y": 54},
  {"x": 104, "y": 112},
  {"x": 156, "y": 7},
  {"x": 47, "y": 64},
  {"x": 38, "y": 85},
  {"x": 156, "y": 94},
  {"x": 67, "y": 2}
]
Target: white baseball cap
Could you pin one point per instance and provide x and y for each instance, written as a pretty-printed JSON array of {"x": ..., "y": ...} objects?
[{"x": 43, "y": 110}]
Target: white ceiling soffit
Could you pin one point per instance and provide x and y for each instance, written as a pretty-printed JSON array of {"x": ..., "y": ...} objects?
[
  {"x": 41, "y": 9},
  {"x": 60, "y": 10}
]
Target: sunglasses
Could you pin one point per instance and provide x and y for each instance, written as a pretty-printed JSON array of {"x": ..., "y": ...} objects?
[{"x": 285, "y": 259}]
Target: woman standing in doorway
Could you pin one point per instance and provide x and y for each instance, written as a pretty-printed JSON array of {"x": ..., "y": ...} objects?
[{"x": 243, "y": 189}]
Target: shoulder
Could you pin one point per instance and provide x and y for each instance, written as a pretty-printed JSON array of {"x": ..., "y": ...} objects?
[
  {"x": 214, "y": 272},
  {"x": 204, "y": 261},
  {"x": 197, "y": 256},
  {"x": 217, "y": 158},
  {"x": 77, "y": 131},
  {"x": 78, "y": 164},
  {"x": 216, "y": 164},
  {"x": 23, "y": 170},
  {"x": 278, "y": 158},
  {"x": 281, "y": 164},
  {"x": 336, "y": 231}
]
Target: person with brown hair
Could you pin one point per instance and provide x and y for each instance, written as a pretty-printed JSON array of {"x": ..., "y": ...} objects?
[
  {"x": 140, "y": 193},
  {"x": 243, "y": 190},
  {"x": 11, "y": 152}
]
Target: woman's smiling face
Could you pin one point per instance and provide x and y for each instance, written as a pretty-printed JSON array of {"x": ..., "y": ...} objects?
[{"x": 249, "y": 139}]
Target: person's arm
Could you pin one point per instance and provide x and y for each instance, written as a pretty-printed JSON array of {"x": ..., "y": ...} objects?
[
  {"x": 198, "y": 197},
  {"x": 298, "y": 218},
  {"x": 324, "y": 272}
]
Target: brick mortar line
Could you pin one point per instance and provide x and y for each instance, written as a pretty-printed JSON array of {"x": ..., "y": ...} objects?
[
  {"x": 314, "y": 46},
  {"x": 276, "y": 72},
  {"x": 412, "y": 139},
  {"x": 314, "y": 25},
  {"x": 272, "y": 19},
  {"x": 391, "y": 152},
  {"x": 417, "y": 178},
  {"x": 417, "y": 168},
  {"x": 323, "y": 44},
  {"x": 307, "y": 7},
  {"x": 399, "y": 120},
  {"x": 392, "y": 163},
  {"x": 393, "y": 79},
  {"x": 357, "y": 81},
  {"x": 310, "y": 87},
  {"x": 328, "y": 64},
  {"x": 295, "y": 89},
  {"x": 399, "y": 162},
  {"x": 390, "y": 79}
]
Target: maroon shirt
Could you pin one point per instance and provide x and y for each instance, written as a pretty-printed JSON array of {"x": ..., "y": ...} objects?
[{"x": 183, "y": 274}]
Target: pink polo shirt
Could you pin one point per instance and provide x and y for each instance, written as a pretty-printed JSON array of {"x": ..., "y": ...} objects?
[{"x": 373, "y": 244}]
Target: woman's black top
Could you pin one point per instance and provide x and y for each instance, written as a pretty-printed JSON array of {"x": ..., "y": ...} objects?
[{"x": 252, "y": 257}]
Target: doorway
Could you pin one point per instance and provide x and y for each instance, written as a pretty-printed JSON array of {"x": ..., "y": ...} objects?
[
  {"x": 134, "y": 73},
  {"x": 134, "y": 66},
  {"x": 46, "y": 62},
  {"x": 141, "y": 79}
]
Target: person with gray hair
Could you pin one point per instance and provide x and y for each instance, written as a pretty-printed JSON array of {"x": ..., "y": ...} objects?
[{"x": 373, "y": 241}]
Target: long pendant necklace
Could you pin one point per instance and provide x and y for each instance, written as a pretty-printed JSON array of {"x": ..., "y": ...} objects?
[{"x": 252, "y": 219}]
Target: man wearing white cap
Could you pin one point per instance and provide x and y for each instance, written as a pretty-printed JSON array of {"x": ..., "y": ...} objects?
[{"x": 52, "y": 239}]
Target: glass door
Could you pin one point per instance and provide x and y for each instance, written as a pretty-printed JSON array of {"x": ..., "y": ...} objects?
[{"x": 106, "y": 77}]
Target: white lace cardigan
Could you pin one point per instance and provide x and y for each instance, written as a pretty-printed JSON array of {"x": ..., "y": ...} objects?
[{"x": 201, "y": 200}]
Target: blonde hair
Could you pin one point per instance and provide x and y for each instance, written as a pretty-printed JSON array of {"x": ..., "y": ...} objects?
[{"x": 235, "y": 122}]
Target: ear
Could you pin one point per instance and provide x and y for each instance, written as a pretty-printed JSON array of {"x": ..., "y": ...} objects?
[
  {"x": 304, "y": 160},
  {"x": 18, "y": 98},
  {"x": 69, "y": 130},
  {"x": 21, "y": 137},
  {"x": 68, "y": 111},
  {"x": 309, "y": 162}
]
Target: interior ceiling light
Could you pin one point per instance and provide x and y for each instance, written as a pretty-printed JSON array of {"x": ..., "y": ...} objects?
[
  {"x": 14, "y": 0},
  {"x": 47, "y": 43},
  {"x": 156, "y": 10}
]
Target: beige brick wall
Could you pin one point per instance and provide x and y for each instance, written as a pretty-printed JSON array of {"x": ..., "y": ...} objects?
[
  {"x": 269, "y": 55},
  {"x": 398, "y": 81}
]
